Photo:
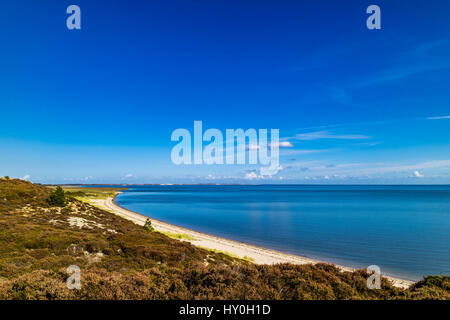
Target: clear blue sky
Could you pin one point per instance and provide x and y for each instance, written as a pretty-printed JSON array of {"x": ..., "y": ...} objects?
[{"x": 98, "y": 105}]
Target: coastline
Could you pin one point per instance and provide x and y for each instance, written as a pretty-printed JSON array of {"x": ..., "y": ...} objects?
[{"x": 257, "y": 254}]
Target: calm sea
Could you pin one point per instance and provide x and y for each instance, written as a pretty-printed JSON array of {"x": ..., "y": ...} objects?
[{"x": 405, "y": 230}]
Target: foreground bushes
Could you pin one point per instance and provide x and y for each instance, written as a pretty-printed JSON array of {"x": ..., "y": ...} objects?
[{"x": 218, "y": 282}]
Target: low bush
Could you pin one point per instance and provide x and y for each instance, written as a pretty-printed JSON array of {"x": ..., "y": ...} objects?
[{"x": 57, "y": 198}]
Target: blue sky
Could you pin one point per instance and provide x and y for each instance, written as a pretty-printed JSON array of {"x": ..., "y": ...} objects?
[{"x": 98, "y": 105}]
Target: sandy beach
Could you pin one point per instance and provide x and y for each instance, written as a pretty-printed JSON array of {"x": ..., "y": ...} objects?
[{"x": 256, "y": 254}]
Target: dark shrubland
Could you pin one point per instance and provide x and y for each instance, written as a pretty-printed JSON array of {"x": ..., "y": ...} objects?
[{"x": 121, "y": 260}]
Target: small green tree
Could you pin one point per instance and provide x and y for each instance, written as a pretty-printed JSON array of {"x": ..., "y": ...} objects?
[
  {"x": 6, "y": 177},
  {"x": 148, "y": 225},
  {"x": 57, "y": 198}
]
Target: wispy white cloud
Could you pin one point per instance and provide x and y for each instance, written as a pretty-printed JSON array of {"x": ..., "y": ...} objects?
[
  {"x": 79, "y": 179},
  {"x": 403, "y": 72},
  {"x": 383, "y": 169},
  {"x": 328, "y": 135},
  {"x": 430, "y": 46},
  {"x": 26, "y": 177},
  {"x": 368, "y": 144},
  {"x": 129, "y": 175},
  {"x": 360, "y": 170},
  {"x": 321, "y": 59},
  {"x": 293, "y": 152},
  {"x": 281, "y": 144},
  {"x": 438, "y": 118},
  {"x": 421, "y": 63}
]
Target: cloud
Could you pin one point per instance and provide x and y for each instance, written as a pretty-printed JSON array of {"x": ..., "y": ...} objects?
[
  {"x": 429, "y": 46},
  {"x": 328, "y": 135},
  {"x": 423, "y": 165},
  {"x": 396, "y": 168},
  {"x": 321, "y": 60},
  {"x": 79, "y": 179},
  {"x": 281, "y": 144},
  {"x": 417, "y": 174},
  {"x": 413, "y": 67},
  {"x": 369, "y": 170},
  {"x": 252, "y": 175},
  {"x": 129, "y": 175},
  {"x": 367, "y": 144},
  {"x": 26, "y": 177},
  {"x": 293, "y": 152},
  {"x": 438, "y": 118},
  {"x": 408, "y": 71}
]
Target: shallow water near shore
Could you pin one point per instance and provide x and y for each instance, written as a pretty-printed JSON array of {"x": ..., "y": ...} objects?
[{"x": 405, "y": 230}]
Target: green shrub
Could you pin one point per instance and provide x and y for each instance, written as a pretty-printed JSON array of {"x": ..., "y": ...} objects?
[
  {"x": 148, "y": 225},
  {"x": 57, "y": 198}
]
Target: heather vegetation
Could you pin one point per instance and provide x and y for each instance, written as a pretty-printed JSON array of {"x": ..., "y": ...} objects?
[{"x": 121, "y": 260}]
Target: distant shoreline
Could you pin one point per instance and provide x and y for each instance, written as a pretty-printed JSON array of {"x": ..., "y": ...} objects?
[{"x": 257, "y": 254}]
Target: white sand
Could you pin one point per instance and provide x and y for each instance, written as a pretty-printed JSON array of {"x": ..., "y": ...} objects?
[{"x": 257, "y": 254}]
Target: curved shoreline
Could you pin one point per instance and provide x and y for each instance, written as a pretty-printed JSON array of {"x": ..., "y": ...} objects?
[{"x": 259, "y": 255}]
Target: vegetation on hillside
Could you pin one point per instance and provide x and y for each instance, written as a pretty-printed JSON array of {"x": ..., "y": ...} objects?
[
  {"x": 121, "y": 260},
  {"x": 84, "y": 193},
  {"x": 57, "y": 198},
  {"x": 148, "y": 225}
]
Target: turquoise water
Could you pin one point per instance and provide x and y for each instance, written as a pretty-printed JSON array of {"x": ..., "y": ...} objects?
[{"x": 405, "y": 230}]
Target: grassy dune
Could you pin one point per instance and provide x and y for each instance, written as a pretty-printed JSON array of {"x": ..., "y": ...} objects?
[
  {"x": 121, "y": 260},
  {"x": 91, "y": 192}
]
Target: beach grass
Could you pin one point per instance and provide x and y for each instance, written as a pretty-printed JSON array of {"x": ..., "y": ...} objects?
[
  {"x": 232, "y": 255},
  {"x": 178, "y": 236},
  {"x": 91, "y": 193}
]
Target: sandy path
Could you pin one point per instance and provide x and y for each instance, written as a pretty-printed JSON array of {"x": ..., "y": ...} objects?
[{"x": 258, "y": 254}]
